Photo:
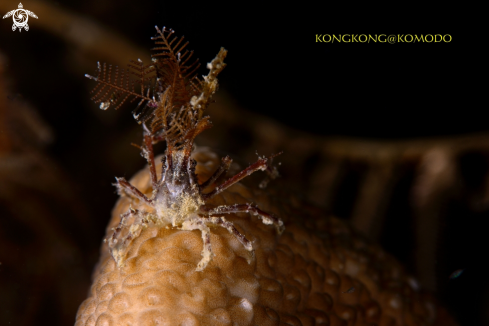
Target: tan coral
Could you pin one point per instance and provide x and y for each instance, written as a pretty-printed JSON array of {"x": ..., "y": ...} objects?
[{"x": 318, "y": 272}]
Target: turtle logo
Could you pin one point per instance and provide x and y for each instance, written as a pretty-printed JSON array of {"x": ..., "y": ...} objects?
[{"x": 21, "y": 16}]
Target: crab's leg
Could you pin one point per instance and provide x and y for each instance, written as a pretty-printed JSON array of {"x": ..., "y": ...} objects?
[
  {"x": 267, "y": 218},
  {"x": 191, "y": 164},
  {"x": 223, "y": 167},
  {"x": 232, "y": 229},
  {"x": 150, "y": 157},
  {"x": 168, "y": 154},
  {"x": 117, "y": 244},
  {"x": 124, "y": 187},
  {"x": 118, "y": 229},
  {"x": 198, "y": 224},
  {"x": 261, "y": 164},
  {"x": 122, "y": 222}
]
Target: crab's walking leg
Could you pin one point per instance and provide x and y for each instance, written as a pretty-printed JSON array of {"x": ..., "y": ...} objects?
[
  {"x": 232, "y": 229},
  {"x": 267, "y": 218},
  {"x": 198, "y": 224},
  {"x": 123, "y": 186},
  {"x": 117, "y": 244},
  {"x": 122, "y": 222},
  {"x": 150, "y": 157},
  {"x": 261, "y": 164},
  {"x": 223, "y": 168}
]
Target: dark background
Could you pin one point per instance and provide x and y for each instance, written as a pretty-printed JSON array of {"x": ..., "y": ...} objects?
[
  {"x": 366, "y": 90},
  {"x": 275, "y": 68}
]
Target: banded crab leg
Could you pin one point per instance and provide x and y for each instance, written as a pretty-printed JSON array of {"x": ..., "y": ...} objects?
[
  {"x": 119, "y": 241},
  {"x": 221, "y": 221},
  {"x": 261, "y": 164},
  {"x": 222, "y": 169},
  {"x": 125, "y": 188},
  {"x": 198, "y": 223},
  {"x": 267, "y": 218},
  {"x": 150, "y": 157},
  {"x": 148, "y": 153}
]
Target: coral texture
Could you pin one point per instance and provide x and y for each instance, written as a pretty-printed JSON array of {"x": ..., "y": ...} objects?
[{"x": 318, "y": 272}]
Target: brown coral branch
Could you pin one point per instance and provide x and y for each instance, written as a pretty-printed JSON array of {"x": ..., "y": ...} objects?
[{"x": 373, "y": 196}]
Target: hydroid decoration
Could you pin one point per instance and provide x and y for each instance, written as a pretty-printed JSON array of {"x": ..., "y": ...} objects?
[{"x": 172, "y": 100}]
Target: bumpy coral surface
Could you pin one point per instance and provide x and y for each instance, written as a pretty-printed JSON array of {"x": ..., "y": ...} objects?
[{"x": 318, "y": 272}]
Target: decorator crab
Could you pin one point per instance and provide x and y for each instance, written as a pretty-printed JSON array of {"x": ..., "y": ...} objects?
[{"x": 172, "y": 100}]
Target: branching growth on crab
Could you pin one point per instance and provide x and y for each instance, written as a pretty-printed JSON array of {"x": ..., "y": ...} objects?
[{"x": 172, "y": 100}]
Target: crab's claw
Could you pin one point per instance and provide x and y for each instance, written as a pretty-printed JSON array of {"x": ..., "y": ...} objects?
[
  {"x": 14, "y": 27},
  {"x": 26, "y": 27}
]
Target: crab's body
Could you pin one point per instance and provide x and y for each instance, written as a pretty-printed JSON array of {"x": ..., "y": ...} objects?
[{"x": 177, "y": 197}]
